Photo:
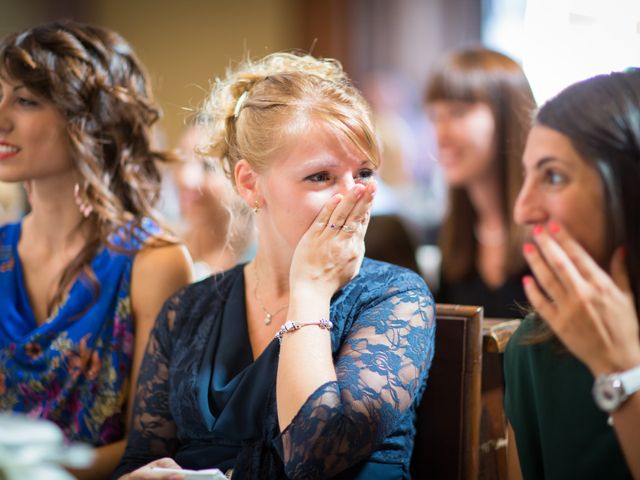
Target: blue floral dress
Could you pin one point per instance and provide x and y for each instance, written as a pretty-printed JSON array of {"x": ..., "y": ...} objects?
[
  {"x": 74, "y": 368},
  {"x": 203, "y": 400}
]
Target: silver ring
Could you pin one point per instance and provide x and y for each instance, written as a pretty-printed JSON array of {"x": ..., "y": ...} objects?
[
  {"x": 333, "y": 226},
  {"x": 347, "y": 228}
]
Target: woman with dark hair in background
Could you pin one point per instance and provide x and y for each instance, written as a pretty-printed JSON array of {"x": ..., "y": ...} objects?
[
  {"x": 481, "y": 105},
  {"x": 581, "y": 197},
  {"x": 84, "y": 274}
]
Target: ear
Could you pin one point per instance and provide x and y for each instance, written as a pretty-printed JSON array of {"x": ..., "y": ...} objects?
[{"x": 247, "y": 183}]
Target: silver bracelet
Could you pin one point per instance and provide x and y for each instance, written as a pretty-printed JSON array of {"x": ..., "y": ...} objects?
[{"x": 292, "y": 326}]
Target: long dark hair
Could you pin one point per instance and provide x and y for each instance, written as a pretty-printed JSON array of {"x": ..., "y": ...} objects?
[
  {"x": 482, "y": 75},
  {"x": 601, "y": 118},
  {"x": 91, "y": 75}
]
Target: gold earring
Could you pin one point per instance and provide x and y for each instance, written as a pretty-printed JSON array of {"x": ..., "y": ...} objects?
[{"x": 256, "y": 207}]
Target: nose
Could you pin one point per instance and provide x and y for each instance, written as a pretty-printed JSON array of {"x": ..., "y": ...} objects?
[
  {"x": 346, "y": 183},
  {"x": 529, "y": 208},
  {"x": 6, "y": 123}
]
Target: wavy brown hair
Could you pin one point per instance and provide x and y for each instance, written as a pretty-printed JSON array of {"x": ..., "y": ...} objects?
[
  {"x": 94, "y": 79},
  {"x": 482, "y": 75}
]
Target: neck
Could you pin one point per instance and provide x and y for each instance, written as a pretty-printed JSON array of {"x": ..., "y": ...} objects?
[
  {"x": 490, "y": 227},
  {"x": 54, "y": 216},
  {"x": 272, "y": 271}
]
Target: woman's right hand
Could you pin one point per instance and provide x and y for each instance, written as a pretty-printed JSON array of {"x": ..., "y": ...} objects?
[
  {"x": 150, "y": 471},
  {"x": 590, "y": 310},
  {"x": 330, "y": 252}
]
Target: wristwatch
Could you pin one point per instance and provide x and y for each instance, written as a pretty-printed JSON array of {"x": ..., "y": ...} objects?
[{"x": 610, "y": 391}]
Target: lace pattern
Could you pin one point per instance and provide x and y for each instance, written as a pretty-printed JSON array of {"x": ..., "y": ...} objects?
[
  {"x": 383, "y": 344},
  {"x": 381, "y": 369}
]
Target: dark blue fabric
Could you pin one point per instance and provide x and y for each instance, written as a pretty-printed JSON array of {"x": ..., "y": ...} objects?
[{"x": 203, "y": 400}]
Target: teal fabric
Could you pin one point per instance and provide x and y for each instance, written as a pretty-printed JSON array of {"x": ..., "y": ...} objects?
[{"x": 560, "y": 432}]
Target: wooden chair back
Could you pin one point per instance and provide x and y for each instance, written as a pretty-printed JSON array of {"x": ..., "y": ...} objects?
[{"x": 447, "y": 444}]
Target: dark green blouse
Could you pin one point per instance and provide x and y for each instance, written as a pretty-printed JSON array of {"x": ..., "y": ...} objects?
[{"x": 560, "y": 432}]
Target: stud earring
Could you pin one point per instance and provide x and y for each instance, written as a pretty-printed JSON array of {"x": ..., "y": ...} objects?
[
  {"x": 83, "y": 205},
  {"x": 256, "y": 207}
]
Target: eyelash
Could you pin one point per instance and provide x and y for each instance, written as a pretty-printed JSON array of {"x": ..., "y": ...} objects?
[
  {"x": 320, "y": 177},
  {"x": 26, "y": 102}
]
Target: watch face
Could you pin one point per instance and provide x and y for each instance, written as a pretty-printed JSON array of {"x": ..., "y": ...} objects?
[{"x": 608, "y": 393}]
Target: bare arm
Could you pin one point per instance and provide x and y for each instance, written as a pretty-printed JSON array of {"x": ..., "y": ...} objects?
[{"x": 157, "y": 273}]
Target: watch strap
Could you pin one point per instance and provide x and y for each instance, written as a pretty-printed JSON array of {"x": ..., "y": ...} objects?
[{"x": 630, "y": 380}]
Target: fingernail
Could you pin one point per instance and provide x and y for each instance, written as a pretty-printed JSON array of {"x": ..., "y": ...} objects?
[
  {"x": 528, "y": 248},
  {"x": 538, "y": 229},
  {"x": 623, "y": 251},
  {"x": 526, "y": 280},
  {"x": 554, "y": 227}
]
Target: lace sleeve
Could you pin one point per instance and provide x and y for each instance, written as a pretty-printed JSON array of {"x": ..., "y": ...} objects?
[
  {"x": 152, "y": 433},
  {"x": 381, "y": 368}
]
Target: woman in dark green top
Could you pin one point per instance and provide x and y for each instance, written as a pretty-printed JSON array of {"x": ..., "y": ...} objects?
[{"x": 581, "y": 196}]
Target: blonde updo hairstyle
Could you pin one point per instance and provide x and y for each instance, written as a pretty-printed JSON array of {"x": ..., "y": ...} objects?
[{"x": 261, "y": 105}]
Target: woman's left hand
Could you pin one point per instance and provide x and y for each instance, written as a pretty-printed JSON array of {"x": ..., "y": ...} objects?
[
  {"x": 591, "y": 312},
  {"x": 330, "y": 252}
]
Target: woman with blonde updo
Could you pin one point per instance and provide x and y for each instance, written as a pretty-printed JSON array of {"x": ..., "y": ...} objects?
[
  {"x": 85, "y": 273},
  {"x": 308, "y": 361}
]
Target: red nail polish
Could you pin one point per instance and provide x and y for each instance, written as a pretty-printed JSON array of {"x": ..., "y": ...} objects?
[
  {"x": 538, "y": 229},
  {"x": 528, "y": 248},
  {"x": 554, "y": 227},
  {"x": 624, "y": 251}
]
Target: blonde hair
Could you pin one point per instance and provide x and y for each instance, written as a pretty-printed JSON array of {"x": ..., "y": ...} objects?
[{"x": 260, "y": 105}]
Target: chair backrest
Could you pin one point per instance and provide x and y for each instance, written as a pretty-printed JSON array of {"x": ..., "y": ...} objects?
[{"x": 447, "y": 444}]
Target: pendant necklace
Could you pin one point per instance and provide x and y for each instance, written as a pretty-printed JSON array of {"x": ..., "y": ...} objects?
[{"x": 268, "y": 316}]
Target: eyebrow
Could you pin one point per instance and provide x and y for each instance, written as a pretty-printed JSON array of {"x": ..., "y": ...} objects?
[{"x": 545, "y": 160}]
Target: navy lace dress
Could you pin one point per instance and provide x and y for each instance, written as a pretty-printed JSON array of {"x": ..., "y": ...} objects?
[{"x": 204, "y": 401}]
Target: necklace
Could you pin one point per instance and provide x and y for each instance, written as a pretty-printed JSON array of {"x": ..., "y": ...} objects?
[{"x": 268, "y": 316}]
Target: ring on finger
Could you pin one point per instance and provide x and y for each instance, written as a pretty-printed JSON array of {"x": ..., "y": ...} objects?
[
  {"x": 333, "y": 226},
  {"x": 347, "y": 228}
]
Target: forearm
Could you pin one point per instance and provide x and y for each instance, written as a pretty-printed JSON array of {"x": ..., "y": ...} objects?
[
  {"x": 306, "y": 360},
  {"x": 105, "y": 461},
  {"x": 626, "y": 422}
]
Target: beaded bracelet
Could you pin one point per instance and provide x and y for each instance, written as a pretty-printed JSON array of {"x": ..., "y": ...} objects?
[{"x": 292, "y": 326}]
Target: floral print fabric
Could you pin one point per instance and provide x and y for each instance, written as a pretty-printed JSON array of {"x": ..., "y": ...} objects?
[{"x": 72, "y": 369}]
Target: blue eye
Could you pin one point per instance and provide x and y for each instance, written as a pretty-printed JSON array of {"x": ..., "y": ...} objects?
[{"x": 319, "y": 177}]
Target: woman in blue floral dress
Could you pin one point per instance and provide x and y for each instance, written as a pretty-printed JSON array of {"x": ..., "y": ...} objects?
[
  {"x": 84, "y": 274},
  {"x": 334, "y": 395}
]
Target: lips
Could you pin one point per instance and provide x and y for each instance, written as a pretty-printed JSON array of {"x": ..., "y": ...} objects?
[{"x": 7, "y": 150}]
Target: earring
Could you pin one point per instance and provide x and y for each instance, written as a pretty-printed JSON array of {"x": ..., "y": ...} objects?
[
  {"x": 83, "y": 205},
  {"x": 256, "y": 207}
]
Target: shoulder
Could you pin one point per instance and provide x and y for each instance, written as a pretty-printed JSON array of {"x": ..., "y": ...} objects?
[
  {"x": 385, "y": 277},
  {"x": 158, "y": 264},
  {"x": 157, "y": 272},
  {"x": 381, "y": 282}
]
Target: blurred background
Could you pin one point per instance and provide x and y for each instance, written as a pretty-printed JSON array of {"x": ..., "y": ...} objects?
[{"x": 387, "y": 46}]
